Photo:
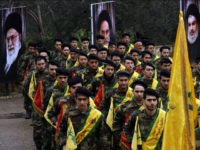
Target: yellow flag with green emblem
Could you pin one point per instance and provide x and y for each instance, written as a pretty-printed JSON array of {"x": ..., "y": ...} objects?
[
  {"x": 32, "y": 86},
  {"x": 179, "y": 131},
  {"x": 110, "y": 117},
  {"x": 71, "y": 137}
]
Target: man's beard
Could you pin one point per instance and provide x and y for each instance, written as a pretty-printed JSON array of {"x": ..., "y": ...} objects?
[
  {"x": 192, "y": 39},
  {"x": 11, "y": 55}
]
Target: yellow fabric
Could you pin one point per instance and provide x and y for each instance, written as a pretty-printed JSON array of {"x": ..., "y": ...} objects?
[
  {"x": 128, "y": 97},
  {"x": 32, "y": 86},
  {"x": 179, "y": 131},
  {"x": 92, "y": 120},
  {"x": 76, "y": 64},
  {"x": 131, "y": 46},
  {"x": 50, "y": 105},
  {"x": 133, "y": 77},
  {"x": 154, "y": 135},
  {"x": 91, "y": 102},
  {"x": 137, "y": 139},
  {"x": 156, "y": 132},
  {"x": 198, "y": 108},
  {"x": 71, "y": 138},
  {"x": 122, "y": 67},
  {"x": 110, "y": 117},
  {"x": 154, "y": 84}
]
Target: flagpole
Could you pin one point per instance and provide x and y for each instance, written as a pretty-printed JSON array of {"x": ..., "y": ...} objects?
[{"x": 181, "y": 5}]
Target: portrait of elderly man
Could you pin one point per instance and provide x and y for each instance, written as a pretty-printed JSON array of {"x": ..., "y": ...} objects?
[
  {"x": 192, "y": 24},
  {"x": 13, "y": 43}
]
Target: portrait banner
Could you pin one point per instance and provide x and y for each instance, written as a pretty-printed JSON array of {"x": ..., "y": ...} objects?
[
  {"x": 191, "y": 9},
  {"x": 12, "y": 37},
  {"x": 103, "y": 21}
]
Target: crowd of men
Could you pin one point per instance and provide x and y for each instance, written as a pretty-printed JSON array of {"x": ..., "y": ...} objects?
[{"x": 94, "y": 96}]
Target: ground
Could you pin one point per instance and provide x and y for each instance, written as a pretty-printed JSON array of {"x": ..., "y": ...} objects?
[{"x": 16, "y": 132}]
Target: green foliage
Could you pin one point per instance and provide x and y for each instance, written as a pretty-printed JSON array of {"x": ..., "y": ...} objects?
[{"x": 155, "y": 20}]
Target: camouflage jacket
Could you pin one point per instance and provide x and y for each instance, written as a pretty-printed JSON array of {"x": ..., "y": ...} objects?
[{"x": 97, "y": 140}]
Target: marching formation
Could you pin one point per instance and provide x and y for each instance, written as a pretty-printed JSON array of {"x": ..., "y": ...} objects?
[{"x": 88, "y": 97}]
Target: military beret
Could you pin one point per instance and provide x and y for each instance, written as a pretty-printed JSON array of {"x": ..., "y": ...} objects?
[
  {"x": 149, "y": 43},
  {"x": 84, "y": 39},
  {"x": 82, "y": 53},
  {"x": 165, "y": 60},
  {"x": 126, "y": 34},
  {"x": 121, "y": 43},
  {"x": 73, "y": 39},
  {"x": 149, "y": 64},
  {"x": 128, "y": 58},
  {"x": 145, "y": 52},
  {"x": 123, "y": 74},
  {"x": 165, "y": 73},
  {"x": 74, "y": 50},
  {"x": 138, "y": 82},
  {"x": 83, "y": 91},
  {"x": 151, "y": 92},
  {"x": 93, "y": 56},
  {"x": 62, "y": 71},
  {"x": 102, "y": 49},
  {"x": 92, "y": 47},
  {"x": 75, "y": 80},
  {"x": 109, "y": 62},
  {"x": 111, "y": 43},
  {"x": 14, "y": 21},
  {"x": 134, "y": 51}
]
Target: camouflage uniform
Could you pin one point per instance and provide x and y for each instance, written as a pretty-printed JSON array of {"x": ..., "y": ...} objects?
[
  {"x": 49, "y": 134},
  {"x": 149, "y": 82},
  {"x": 77, "y": 69},
  {"x": 70, "y": 64},
  {"x": 108, "y": 83},
  {"x": 55, "y": 55},
  {"x": 26, "y": 64},
  {"x": 144, "y": 121},
  {"x": 96, "y": 141},
  {"x": 37, "y": 120},
  {"x": 62, "y": 61},
  {"x": 196, "y": 76},
  {"x": 89, "y": 76},
  {"x": 163, "y": 100},
  {"x": 122, "y": 116}
]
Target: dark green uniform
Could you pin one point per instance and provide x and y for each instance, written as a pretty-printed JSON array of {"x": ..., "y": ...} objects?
[
  {"x": 108, "y": 83},
  {"x": 96, "y": 141},
  {"x": 163, "y": 100},
  {"x": 37, "y": 120},
  {"x": 70, "y": 64},
  {"x": 122, "y": 116},
  {"x": 52, "y": 115},
  {"x": 145, "y": 122}
]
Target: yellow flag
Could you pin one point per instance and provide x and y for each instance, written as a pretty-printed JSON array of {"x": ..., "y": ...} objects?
[
  {"x": 137, "y": 139},
  {"x": 179, "y": 131},
  {"x": 71, "y": 137},
  {"x": 32, "y": 86},
  {"x": 110, "y": 117},
  {"x": 50, "y": 105}
]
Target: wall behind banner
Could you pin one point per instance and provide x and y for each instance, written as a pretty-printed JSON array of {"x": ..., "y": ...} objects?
[
  {"x": 11, "y": 18},
  {"x": 191, "y": 10}
]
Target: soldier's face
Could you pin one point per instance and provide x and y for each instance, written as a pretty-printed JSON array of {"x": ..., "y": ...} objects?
[
  {"x": 134, "y": 56},
  {"x": 40, "y": 65},
  {"x": 151, "y": 49},
  {"x": 166, "y": 66},
  {"x": 45, "y": 55},
  {"x": 126, "y": 39},
  {"x": 148, "y": 72},
  {"x": 102, "y": 55},
  {"x": 111, "y": 48},
  {"x": 74, "y": 44},
  {"x": 83, "y": 61},
  {"x": 164, "y": 82},
  {"x": 85, "y": 44},
  {"x": 121, "y": 49},
  {"x": 109, "y": 70},
  {"x": 93, "y": 51},
  {"x": 58, "y": 45},
  {"x": 116, "y": 60},
  {"x": 123, "y": 82},
  {"x": 150, "y": 102},
  {"x": 74, "y": 56},
  {"x": 165, "y": 53},
  {"x": 93, "y": 64},
  {"x": 74, "y": 87},
  {"x": 129, "y": 64},
  {"x": 52, "y": 70},
  {"x": 138, "y": 92},
  {"x": 66, "y": 51},
  {"x": 62, "y": 80},
  {"x": 147, "y": 58},
  {"x": 192, "y": 29},
  {"x": 82, "y": 102}
]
